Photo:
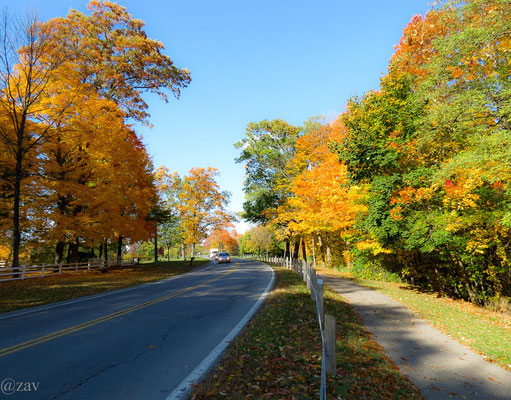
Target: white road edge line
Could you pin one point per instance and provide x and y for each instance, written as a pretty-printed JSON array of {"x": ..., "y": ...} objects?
[
  {"x": 13, "y": 314},
  {"x": 185, "y": 387}
]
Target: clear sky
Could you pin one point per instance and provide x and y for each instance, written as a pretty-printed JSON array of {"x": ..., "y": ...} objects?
[{"x": 254, "y": 60}]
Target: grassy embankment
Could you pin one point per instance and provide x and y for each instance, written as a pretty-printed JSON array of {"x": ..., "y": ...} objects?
[
  {"x": 38, "y": 291},
  {"x": 278, "y": 355},
  {"x": 484, "y": 331}
]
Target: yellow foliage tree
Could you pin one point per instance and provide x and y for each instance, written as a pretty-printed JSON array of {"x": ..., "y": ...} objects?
[{"x": 202, "y": 206}]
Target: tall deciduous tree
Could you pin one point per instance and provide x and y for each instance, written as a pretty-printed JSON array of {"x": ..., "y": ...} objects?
[
  {"x": 50, "y": 73},
  {"x": 202, "y": 206},
  {"x": 26, "y": 72},
  {"x": 266, "y": 150},
  {"x": 111, "y": 51}
]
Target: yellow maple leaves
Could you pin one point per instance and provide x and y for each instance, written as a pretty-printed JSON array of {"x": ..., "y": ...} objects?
[{"x": 323, "y": 199}]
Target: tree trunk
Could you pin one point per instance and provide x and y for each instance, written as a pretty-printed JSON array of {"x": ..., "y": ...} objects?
[
  {"x": 296, "y": 249},
  {"x": 466, "y": 281},
  {"x": 73, "y": 252},
  {"x": 192, "y": 254},
  {"x": 100, "y": 250},
  {"x": 328, "y": 252},
  {"x": 313, "y": 251},
  {"x": 59, "y": 251},
  {"x": 287, "y": 252},
  {"x": 105, "y": 254},
  {"x": 304, "y": 250},
  {"x": 105, "y": 251},
  {"x": 119, "y": 251},
  {"x": 156, "y": 244},
  {"x": 183, "y": 251},
  {"x": 321, "y": 249},
  {"x": 16, "y": 231}
]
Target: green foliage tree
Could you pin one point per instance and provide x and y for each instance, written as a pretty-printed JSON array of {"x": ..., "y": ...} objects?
[{"x": 266, "y": 150}]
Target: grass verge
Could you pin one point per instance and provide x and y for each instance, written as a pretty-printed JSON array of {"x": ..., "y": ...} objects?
[
  {"x": 484, "y": 331},
  {"x": 278, "y": 354},
  {"x": 15, "y": 295}
]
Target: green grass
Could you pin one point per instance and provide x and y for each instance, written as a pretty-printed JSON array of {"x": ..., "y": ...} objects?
[
  {"x": 278, "y": 355},
  {"x": 484, "y": 331},
  {"x": 15, "y": 295}
]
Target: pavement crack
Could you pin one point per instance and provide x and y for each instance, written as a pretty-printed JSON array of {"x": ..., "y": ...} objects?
[{"x": 63, "y": 392}]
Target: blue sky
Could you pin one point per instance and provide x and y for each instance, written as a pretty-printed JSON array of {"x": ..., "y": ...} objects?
[{"x": 254, "y": 60}]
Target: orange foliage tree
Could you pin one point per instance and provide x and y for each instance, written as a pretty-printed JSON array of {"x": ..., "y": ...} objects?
[
  {"x": 202, "y": 206},
  {"x": 65, "y": 98},
  {"x": 324, "y": 203}
]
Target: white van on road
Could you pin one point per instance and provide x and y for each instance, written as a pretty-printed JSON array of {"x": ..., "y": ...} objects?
[{"x": 213, "y": 253}]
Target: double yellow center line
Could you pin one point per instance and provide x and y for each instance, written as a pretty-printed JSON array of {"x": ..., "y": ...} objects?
[{"x": 79, "y": 327}]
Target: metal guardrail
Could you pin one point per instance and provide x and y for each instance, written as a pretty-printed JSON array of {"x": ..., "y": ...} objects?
[
  {"x": 326, "y": 322},
  {"x": 41, "y": 271}
]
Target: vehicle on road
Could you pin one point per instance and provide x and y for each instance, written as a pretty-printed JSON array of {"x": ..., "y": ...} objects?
[
  {"x": 223, "y": 258},
  {"x": 213, "y": 253}
]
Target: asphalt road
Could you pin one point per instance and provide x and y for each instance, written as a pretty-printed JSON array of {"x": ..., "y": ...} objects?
[{"x": 130, "y": 344}]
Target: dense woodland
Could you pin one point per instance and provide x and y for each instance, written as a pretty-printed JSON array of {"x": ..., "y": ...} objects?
[{"x": 413, "y": 179}]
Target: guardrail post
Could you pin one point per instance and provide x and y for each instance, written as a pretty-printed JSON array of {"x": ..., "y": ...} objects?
[{"x": 330, "y": 345}]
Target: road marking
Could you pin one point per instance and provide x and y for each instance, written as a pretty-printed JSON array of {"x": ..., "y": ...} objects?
[
  {"x": 17, "y": 313},
  {"x": 29, "y": 343},
  {"x": 186, "y": 386}
]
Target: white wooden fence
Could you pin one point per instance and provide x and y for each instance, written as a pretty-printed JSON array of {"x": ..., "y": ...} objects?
[
  {"x": 326, "y": 322},
  {"x": 41, "y": 271}
]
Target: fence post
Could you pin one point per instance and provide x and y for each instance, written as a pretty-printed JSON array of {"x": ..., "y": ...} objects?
[
  {"x": 313, "y": 284},
  {"x": 60, "y": 268},
  {"x": 319, "y": 293},
  {"x": 42, "y": 271},
  {"x": 76, "y": 266},
  {"x": 308, "y": 277},
  {"x": 23, "y": 272},
  {"x": 330, "y": 345}
]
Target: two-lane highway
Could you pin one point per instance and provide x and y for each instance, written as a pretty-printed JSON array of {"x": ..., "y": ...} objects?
[{"x": 139, "y": 343}]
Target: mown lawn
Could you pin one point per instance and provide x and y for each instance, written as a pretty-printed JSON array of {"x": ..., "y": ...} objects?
[
  {"x": 278, "y": 355},
  {"x": 484, "y": 331},
  {"x": 38, "y": 291}
]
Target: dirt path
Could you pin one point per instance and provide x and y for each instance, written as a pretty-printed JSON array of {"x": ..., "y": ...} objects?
[{"x": 438, "y": 365}]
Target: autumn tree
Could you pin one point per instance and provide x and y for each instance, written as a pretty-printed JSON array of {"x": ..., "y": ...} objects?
[
  {"x": 28, "y": 118},
  {"x": 125, "y": 61},
  {"x": 324, "y": 203},
  {"x": 53, "y": 75},
  {"x": 223, "y": 237},
  {"x": 202, "y": 206},
  {"x": 169, "y": 187}
]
